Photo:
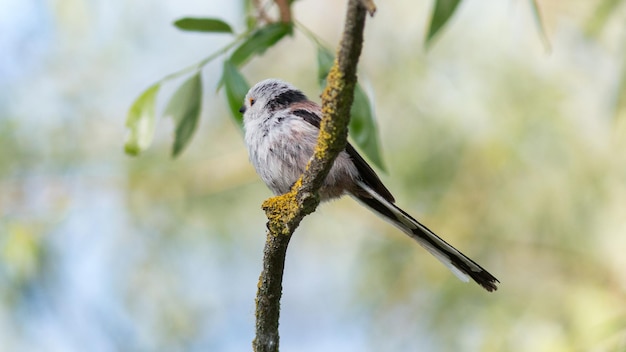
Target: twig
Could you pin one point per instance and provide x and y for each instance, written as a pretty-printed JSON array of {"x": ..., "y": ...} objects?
[
  {"x": 286, "y": 211},
  {"x": 285, "y": 10},
  {"x": 260, "y": 11},
  {"x": 369, "y": 6}
]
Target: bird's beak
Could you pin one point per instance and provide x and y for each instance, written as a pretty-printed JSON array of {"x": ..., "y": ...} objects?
[{"x": 242, "y": 109}]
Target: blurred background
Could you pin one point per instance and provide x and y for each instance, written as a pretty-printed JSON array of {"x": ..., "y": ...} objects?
[{"x": 510, "y": 148}]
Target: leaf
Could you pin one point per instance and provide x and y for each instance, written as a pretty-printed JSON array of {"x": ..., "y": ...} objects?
[
  {"x": 236, "y": 88},
  {"x": 203, "y": 25},
  {"x": 260, "y": 40},
  {"x": 184, "y": 107},
  {"x": 362, "y": 127},
  {"x": 620, "y": 103},
  {"x": 604, "y": 10},
  {"x": 444, "y": 9},
  {"x": 140, "y": 121},
  {"x": 325, "y": 60},
  {"x": 542, "y": 29}
]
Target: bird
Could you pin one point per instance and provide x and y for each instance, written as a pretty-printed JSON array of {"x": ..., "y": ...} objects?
[{"x": 281, "y": 126}]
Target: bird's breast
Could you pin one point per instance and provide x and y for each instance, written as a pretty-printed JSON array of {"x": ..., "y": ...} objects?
[{"x": 280, "y": 152}]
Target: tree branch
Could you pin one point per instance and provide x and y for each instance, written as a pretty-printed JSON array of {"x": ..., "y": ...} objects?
[
  {"x": 261, "y": 14},
  {"x": 285, "y": 212},
  {"x": 284, "y": 8}
]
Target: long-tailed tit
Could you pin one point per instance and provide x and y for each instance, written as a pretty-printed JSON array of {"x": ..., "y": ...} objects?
[{"x": 281, "y": 128}]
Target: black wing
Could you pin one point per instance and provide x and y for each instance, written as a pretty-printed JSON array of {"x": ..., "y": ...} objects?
[{"x": 368, "y": 175}]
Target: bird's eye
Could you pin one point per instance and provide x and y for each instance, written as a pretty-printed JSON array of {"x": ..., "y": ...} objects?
[{"x": 252, "y": 101}]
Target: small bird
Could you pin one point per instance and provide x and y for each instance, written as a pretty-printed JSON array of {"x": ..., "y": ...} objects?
[{"x": 281, "y": 128}]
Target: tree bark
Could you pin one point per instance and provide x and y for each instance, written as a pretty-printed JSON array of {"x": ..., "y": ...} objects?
[{"x": 285, "y": 212}]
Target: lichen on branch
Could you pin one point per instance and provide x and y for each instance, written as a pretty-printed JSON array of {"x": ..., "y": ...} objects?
[{"x": 285, "y": 212}]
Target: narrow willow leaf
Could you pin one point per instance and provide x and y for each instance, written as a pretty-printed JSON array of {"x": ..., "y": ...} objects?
[
  {"x": 325, "y": 60},
  {"x": 236, "y": 88},
  {"x": 251, "y": 18},
  {"x": 604, "y": 10},
  {"x": 203, "y": 25},
  {"x": 443, "y": 10},
  {"x": 620, "y": 104},
  {"x": 362, "y": 127},
  {"x": 539, "y": 20},
  {"x": 251, "y": 22},
  {"x": 184, "y": 107},
  {"x": 260, "y": 40},
  {"x": 140, "y": 121}
]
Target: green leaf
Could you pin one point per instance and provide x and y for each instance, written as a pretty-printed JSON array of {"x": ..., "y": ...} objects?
[
  {"x": 184, "y": 107},
  {"x": 444, "y": 9},
  {"x": 259, "y": 41},
  {"x": 542, "y": 29},
  {"x": 325, "y": 60},
  {"x": 620, "y": 104},
  {"x": 604, "y": 10},
  {"x": 203, "y": 25},
  {"x": 362, "y": 127},
  {"x": 251, "y": 22},
  {"x": 236, "y": 88},
  {"x": 140, "y": 121}
]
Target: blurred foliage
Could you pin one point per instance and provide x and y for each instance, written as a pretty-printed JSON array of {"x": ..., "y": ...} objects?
[
  {"x": 510, "y": 153},
  {"x": 236, "y": 88},
  {"x": 140, "y": 121},
  {"x": 533, "y": 185},
  {"x": 203, "y": 25},
  {"x": 442, "y": 11},
  {"x": 184, "y": 108},
  {"x": 601, "y": 15},
  {"x": 21, "y": 255}
]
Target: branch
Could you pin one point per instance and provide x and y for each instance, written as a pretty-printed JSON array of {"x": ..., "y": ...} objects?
[
  {"x": 284, "y": 8},
  {"x": 261, "y": 14},
  {"x": 285, "y": 212}
]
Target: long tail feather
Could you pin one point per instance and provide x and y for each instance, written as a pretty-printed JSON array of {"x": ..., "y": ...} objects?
[{"x": 462, "y": 266}]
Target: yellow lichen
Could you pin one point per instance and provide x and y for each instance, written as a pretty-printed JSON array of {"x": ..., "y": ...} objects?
[
  {"x": 321, "y": 149},
  {"x": 281, "y": 209},
  {"x": 329, "y": 98},
  {"x": 296, "y": 186}
]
